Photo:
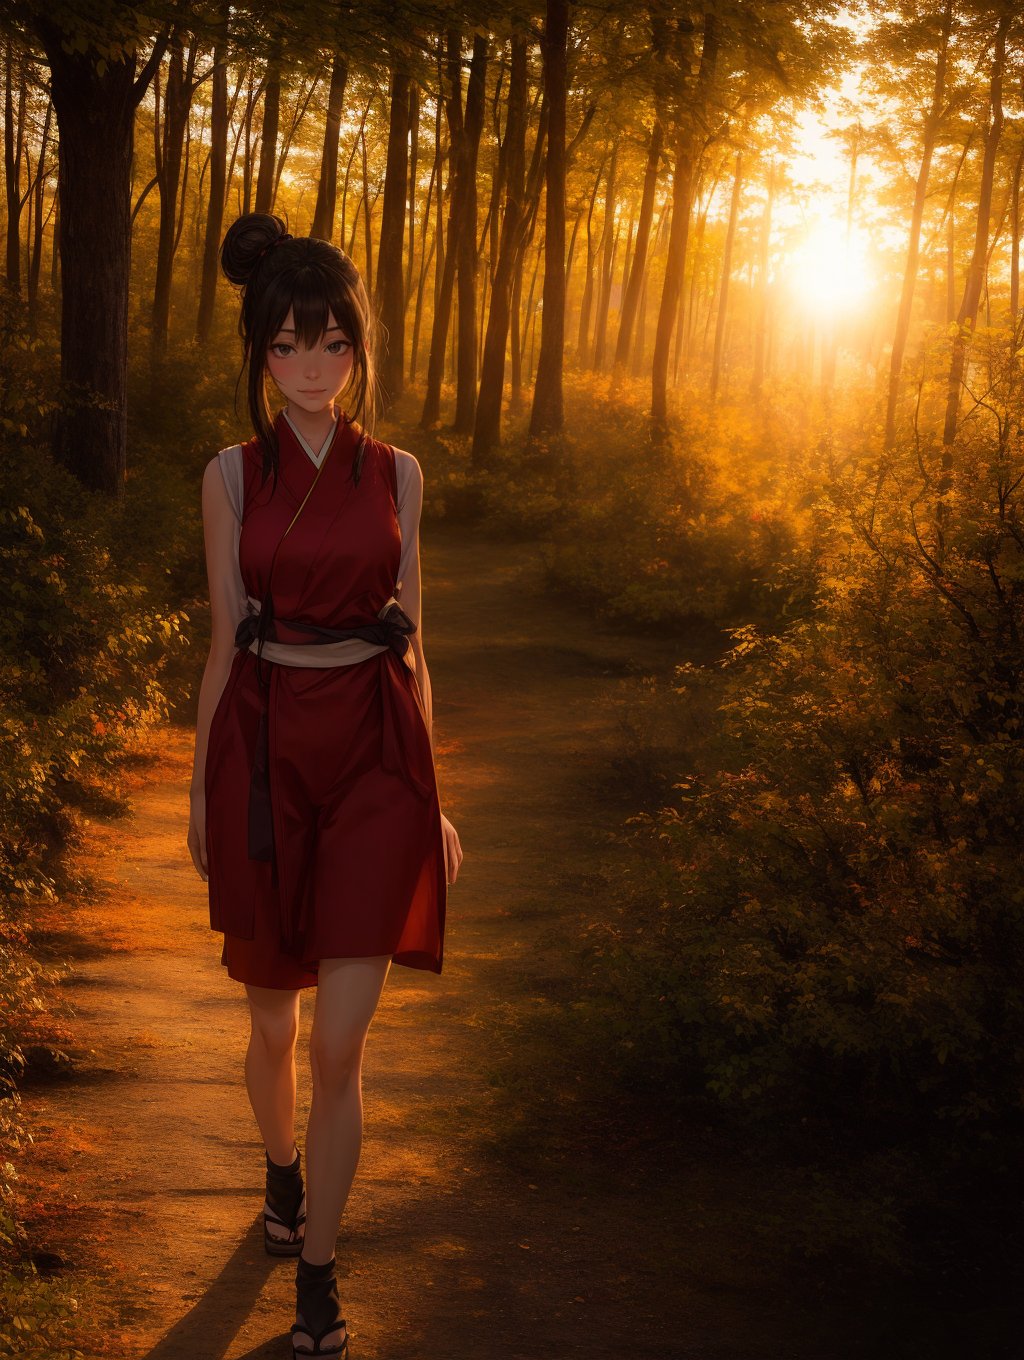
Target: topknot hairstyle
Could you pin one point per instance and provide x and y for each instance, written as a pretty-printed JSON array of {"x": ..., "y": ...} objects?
[{"x": 275, "y": 272}]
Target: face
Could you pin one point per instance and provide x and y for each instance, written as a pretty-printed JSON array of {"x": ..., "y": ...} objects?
[{"x": 310, "y": 378}]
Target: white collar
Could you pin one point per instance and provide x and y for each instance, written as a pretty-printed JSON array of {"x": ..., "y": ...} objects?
[{"x": 317, "y": 458}]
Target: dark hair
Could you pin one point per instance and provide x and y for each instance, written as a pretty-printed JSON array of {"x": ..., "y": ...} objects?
[{"x": 277, "y": 271}]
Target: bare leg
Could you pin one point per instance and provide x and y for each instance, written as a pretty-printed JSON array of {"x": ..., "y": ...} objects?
[
  {"x": 347, "y": 994},
  {"x": 270, "y": 1072}
]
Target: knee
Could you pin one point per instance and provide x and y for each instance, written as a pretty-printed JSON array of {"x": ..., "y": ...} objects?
[
  {"x": 277, "y": 1035},
  {"x": 334, "y": 1059}
]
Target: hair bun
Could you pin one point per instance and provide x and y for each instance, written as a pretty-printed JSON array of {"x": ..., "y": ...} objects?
[{"x": 246, "y": 242}]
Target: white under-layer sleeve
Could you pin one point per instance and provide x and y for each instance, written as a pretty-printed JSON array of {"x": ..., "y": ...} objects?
[
  {"x": 409, "y": 591},
  {"x": 410, "y": 504},
  {"x": 230, "y": 461}
]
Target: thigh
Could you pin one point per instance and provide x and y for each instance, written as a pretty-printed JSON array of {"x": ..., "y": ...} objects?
[{"x": 347, "y": 994}]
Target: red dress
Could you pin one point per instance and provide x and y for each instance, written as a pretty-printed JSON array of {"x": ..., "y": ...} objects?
[{"x": 357, "y": 865}]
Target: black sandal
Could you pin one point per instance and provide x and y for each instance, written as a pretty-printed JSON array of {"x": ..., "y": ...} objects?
[
  {"x": 286, "y": 1206},
  {"x": 318, "y": 1305}
]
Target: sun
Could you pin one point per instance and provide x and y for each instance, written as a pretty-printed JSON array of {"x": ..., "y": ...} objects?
[{"x": 829, "y": 271}]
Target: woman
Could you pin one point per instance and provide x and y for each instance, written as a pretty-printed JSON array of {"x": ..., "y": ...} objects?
[{"x": 315, "y": 816}]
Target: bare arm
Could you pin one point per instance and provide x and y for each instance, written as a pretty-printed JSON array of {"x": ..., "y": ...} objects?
[
  {"x": 409, "y": 592},
  {"x": 227, "y": 606}
]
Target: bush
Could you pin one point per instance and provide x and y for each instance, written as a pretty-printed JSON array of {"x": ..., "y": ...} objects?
[{"x": 838, "y": 921}]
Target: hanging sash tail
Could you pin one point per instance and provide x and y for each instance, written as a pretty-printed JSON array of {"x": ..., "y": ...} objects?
[{"x": 391, "y": 628}]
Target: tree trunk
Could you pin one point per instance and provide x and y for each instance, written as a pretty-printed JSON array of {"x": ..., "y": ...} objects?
[
  {"x": 675, "y": 265},
  {"x": 638, "y": 264},
  {"x": 930, "y": 135},
  {"x": 96, "y": 123},
  {"x": 445, "y": 287},
  {"x": 587, "y": 300},
  {"x": 487, "y": 425},
  {"x": 610, "y": 238},
  {"x": 14, "y": 142},
  {"x": 390, "y": 268},
  {"x": 968, "y": 314},
  {"x": 36, "y": 256},
  {"x": 547, "y": 413},
  {"x": 435, "y": 184},
  {"x": 218, "y": 178},
  {"x": 168, "y": 172},
  {"x": 327, "y": 186},
  {"x": 1015, "y": 237},
  {"x": 465, "y": 245},
  {"x": 55, "y": 245},
  {"x": 268, "y": 139},
  {"x": 368, "y": 266},
  {"x": 414, "y": 156},
  {"x": 761, "y": 331},
  {"x": 723, "y": 300}
]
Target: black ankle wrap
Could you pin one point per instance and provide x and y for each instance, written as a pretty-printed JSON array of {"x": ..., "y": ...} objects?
[
  {"x": 284, "y": 1188},
  {"x": 317, "y": 1302}
]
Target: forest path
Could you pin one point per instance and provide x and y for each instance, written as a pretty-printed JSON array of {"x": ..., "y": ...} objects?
[{"x": 147, "y": 1169}]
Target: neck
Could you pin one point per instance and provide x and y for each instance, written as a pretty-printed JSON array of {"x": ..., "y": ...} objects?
[{"x": 314, "y": 426}]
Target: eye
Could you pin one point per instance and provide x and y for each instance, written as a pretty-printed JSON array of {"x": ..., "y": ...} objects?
[
  {"x": 333, "y": 346},
  {"x": 282, "y": 344}
]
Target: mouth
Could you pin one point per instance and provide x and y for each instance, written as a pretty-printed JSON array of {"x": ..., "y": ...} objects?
[{"x": 311, "y": 391}]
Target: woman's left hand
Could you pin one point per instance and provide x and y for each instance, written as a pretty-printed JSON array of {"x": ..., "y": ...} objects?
[{"x": 452, "y": 849}]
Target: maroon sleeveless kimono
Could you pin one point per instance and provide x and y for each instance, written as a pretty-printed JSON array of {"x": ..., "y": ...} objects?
[{"x": 358, "y": 855}]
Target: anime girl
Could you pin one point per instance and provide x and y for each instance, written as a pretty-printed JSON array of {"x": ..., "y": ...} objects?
[{"x": 315, "y": 816}]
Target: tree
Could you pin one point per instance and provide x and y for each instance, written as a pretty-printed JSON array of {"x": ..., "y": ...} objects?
[
  {"x": 547, "y": 410},
  {"x": 95, "y": 93}
]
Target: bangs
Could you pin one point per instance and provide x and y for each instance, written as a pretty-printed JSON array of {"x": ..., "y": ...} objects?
[{"x": 314, "y": 295}]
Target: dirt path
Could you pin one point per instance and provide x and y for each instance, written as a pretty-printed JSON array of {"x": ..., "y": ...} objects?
[{"x": 147, "y": 1170}]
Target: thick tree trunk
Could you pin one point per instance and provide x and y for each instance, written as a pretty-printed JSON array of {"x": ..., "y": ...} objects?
[
  {"x": 723, "y": 299},
  {"x": 327, "y": 186},
  {"x": 390, "y": 269},
  {"x": 268, "y": 138},
  {"x": 218, "y": 179},
  {"x": 930, "y": 135},
  {"x": 96, "y": 123},
  {"x": 968, "y": 314},
  {"x": 487, "y": 426},
  {"x": 547, "y": 413}
]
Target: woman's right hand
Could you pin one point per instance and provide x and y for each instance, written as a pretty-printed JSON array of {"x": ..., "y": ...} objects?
[{"x": 197, "y": 834}]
